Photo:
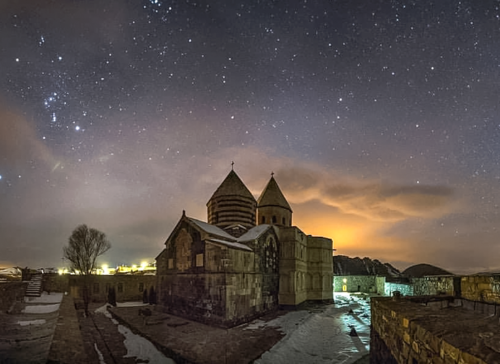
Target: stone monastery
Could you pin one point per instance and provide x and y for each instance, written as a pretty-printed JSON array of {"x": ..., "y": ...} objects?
[{"x": 246, "y": 261}]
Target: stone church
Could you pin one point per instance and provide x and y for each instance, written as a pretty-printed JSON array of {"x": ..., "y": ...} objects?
[{"x": 247, "y": 260}]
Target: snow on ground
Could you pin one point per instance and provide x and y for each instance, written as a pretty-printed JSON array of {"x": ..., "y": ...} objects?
[
  {"x": 142, "y": 349},
  {"x": 136, "y": 345},
  {"x": 255, "y": 324},
  {"x": 32, "y": 322},
  {"x": 99, "y": 354},
  {"x": 131, "y": 304},
  {"x": 104, "y": 310},
  {"x": 41, "y": 308},
  {"x": 322, "y": 336},
  {"x": 45, "y": 298}
]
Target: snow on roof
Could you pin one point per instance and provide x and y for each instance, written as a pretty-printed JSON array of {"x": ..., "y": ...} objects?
[
  {"x": 254, "y": 232},
  {"x": 231, "y": 244},
  {"x": 211, "y": 229},
  {"x": 251, "y": 234},
  {"x": 10, "y": 271}
]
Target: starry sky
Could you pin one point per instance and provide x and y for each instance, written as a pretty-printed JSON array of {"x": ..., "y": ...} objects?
[{"x": 380, "y": 120}]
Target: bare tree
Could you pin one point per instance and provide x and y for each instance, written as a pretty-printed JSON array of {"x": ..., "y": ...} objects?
[{"x": 84, "y": 246}]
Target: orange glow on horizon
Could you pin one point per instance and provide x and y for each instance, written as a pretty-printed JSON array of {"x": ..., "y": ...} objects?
[
  {"x": 346, "y": 231},
  {"x": 352, "y": 235}
]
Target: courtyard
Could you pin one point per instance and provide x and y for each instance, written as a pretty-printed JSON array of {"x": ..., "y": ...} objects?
[{"x": 316, "y": 333}]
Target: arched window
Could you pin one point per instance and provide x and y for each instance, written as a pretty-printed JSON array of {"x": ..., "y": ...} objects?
[
  {"x": 283, "y": 221},
  {"x": 274, "y": 219},
  {"x": 270, "y": 256},
  {"x": 263, "y": 219}
]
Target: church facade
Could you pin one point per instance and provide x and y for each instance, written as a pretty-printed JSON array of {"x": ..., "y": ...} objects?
[{"x": 247, "y": 260}]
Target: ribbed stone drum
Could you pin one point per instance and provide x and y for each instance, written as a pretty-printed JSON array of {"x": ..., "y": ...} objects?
[{"x": 232, "y": 204}]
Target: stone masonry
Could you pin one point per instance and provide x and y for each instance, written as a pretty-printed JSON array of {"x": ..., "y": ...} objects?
[{"x": 431, "y": 329}]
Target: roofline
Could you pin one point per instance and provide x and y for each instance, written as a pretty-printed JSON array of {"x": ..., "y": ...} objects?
[{"x": 243, "y": 248}]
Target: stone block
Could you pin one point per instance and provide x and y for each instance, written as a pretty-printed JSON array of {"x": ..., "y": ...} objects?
[
  {"x": 432, "y": 343},
  {"x": 436, "y": 360},
  {"x": 450, "y": 351},
  {"x": 406, "y": 350},
  {"x": 415, "y": 346},
  {"x": 406, "y": 338},
  {"x": 466, "y": 358}
]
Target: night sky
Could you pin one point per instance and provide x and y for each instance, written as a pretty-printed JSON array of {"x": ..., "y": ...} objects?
[{"x": 380, "y": 120}]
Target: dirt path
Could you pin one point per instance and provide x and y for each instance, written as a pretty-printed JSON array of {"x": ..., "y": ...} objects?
[{"x": 103, "y": 342}]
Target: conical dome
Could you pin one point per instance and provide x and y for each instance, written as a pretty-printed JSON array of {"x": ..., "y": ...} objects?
[
  {"x": 272, "y": 206},
  {"x": 232, "y": 203}
]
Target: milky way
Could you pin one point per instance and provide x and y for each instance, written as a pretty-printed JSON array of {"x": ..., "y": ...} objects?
[{"x": 379, "y": 119}]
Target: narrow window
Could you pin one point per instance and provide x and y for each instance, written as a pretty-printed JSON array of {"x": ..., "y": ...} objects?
[
  {"x": 263, "y": 219},
  {"x": 274, "y": 219},
  {"x": 283, "y": 221},
  {"x": 199, "y": 260}
]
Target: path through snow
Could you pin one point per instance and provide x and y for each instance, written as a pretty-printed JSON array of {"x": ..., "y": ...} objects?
[
  {"x": 322, "y": 336},
  {"x": 137, "y": 346}
]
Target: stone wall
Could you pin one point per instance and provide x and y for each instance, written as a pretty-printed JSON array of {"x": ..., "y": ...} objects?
[
  {"x": 223, "y": 299},
  {"x": 11, "y": 292},
  {"x": 319, "y": 278},
  {"x": 402, "y": 288},
  {"x": 67, "y": 343},
  {"x": 380, "y": 285},
  {"x": 233, "y": 287},
  {"x": 127, "y": 287},
  {"x": 431, "y": 330},
  {"x": 433, "y": 285},
  {"x": 355, "y": 283},
  {"x": 200, "y": 297},
  {"x": 53, "y": 282},
  {"x": 293, "y": 267},
  {"x": 416, "y": 287},
  {"x": 481, "y": 288}
]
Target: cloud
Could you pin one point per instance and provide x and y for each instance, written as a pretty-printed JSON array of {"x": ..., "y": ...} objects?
[
  {"x": 374, "y": 200},
  {"x": 19, "y": 142}
]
